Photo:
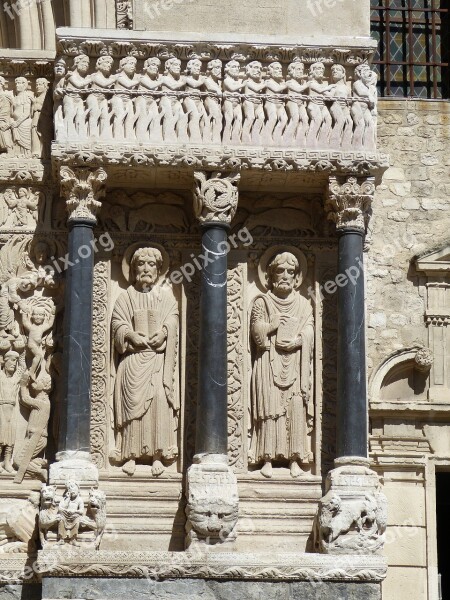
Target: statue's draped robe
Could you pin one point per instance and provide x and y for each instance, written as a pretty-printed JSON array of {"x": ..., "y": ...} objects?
[
  {"x": 282, "y": 400},
  {"x": 146, "y": 396},
  {"x": 9, "y": 394}
]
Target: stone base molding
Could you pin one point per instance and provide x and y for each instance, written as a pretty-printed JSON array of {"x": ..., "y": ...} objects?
[
  {"x": 75, "y": 465},
  {"x": 212, "y": 565},
  {"x": 352, "y": 515}
]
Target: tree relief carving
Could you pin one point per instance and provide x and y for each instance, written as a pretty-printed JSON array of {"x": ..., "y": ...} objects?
[
  {"x": 145, "y": 324},
  {"x": 282, "y": 334}
]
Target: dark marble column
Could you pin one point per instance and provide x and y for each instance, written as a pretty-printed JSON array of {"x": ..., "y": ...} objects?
[{"x": 82, "y": 189}]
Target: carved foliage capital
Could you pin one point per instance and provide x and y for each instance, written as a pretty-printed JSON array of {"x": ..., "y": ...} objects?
[
  {"x": 349, "y": 201},
  {"x": 82, "y": 188},
  {"x": 215, "y": 196}
]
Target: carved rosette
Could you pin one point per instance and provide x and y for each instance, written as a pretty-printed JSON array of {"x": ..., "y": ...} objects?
[
  {"x": 349, "y": 201},
  {"x": 212, "y": 501},
  {"x": 82, "y": 188},
  {"x": 215, "y": 196},
  {"x": 352, "y": 516}
]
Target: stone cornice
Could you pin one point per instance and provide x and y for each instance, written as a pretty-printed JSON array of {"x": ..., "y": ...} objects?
[{"x": 223, "y": 565}]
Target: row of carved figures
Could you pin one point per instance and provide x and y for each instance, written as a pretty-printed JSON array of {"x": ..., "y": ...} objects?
[
  {"x": 25, "y": 118},
  {"x": 260, "y": 106}
]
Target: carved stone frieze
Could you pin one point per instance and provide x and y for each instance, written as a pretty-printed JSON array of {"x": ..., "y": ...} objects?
[
  {"x": 349, "y": 201},
  {"x": 215, "y": 196},
  {"x": 352, "y": 516},
  {"x": 23, "y": 171},
  {"x": 212, "y": 501},
  {"x": 215, "y": 565},
  {"x": 82, "y": 188}
]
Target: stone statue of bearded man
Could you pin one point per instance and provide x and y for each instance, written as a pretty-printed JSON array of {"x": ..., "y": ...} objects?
[
  {"x": 282, "y": 329},
  {"x": 146, "y": 394}
]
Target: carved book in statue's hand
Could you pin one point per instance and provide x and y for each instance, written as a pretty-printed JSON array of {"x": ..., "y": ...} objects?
[
  {"x": 287, "y": 331},
  {"x": 146, "y": 322}
]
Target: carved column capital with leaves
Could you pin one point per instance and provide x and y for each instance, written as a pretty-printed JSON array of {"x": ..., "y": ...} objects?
[
  {"x": 82, "y": 189},
  {"x": 215, "y": 196},
  {"x": 349, "y": 202}
]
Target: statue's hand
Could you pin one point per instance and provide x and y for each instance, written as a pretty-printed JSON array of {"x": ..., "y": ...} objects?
[
  {"x": 291, "y": 346},
  {"x": 157, "y": 340},
  {"x": 138, "y": 340},
  {"x": 275, "y": 323}
]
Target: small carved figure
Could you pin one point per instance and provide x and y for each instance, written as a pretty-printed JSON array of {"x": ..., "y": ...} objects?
[
  {"x": 21, "y": 121},
  {"x": 122, "y": 102},
  {"x": 320, "y": 118},
  {"x": 37, "y": 321},
  {"x": 253, "y": 104},
  {"x": 213, "y": 102},
  {"x": 364, "y": 88},
  {"x": 42, "y": 120},
  {"x": 58, "y": 95},
  {"x": 341, "y": 135},
  {"x": 146, "y": 400},
  {"x": 10, "y": 377},
  {"x": 75, "y": 82},
  {"x": 28, "y": 460},
  {"x": 70, "y": 512},
  {"x": 48, "y": 512},
  {"x": 193, "y": 102},
  {"x": 274, "y": 105},
  {"x": 232, "y": 105},
  {"x": 297, "y": 127},
  {"x": 22, "y": 207},
  {"x": 97, "y": 102},
  {"x": 148, "y": 123},
  {"x": 282, "y": 328},
  {"x": 174, "y": 118},
  {"x": 6, "y": 101},
  {"x": 95, "y": 518}
]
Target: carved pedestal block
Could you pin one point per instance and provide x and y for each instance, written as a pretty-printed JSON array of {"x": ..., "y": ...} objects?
[
  {"x": 213, "y": 501},
  {"x": 352, "y": 515}
]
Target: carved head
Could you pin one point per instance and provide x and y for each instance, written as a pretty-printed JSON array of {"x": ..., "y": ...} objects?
[
  {"x": 282, "y": 273},
  {"x": 152, "y": 65},
  {"x": 212, "y": 517},
  {"x": 275, "y": 70},
  {"x": 254, "y": 70},
  {"x": 128, "y": 65},
  {"x": 3, "y": 84},
  {"x": 296, "y": 70},
  {"x": 338, "y": 73},
  {"x": 334, "y": 504},
  {"x": 97, "y": 499},
  {"x": 233, "y": 68},
  {"x": 194, "y": 67},
  {"x": 11, "y": 361},
  {"x": 81, "y": 64},
  {"x": 317, "y": 71},
  {"x": 60, "y": 67},
  {"x": 364, "y": 72},
  {"x": 48, "y": 496},
  {"x": 38, "y": 315},
  {"x": 145, "y": 267},
  {"x": 214, "y": 68},
  {"x": 43, "y": 384},
  {"x": 42, "y": 85},
  {"x": 172, "y": 66},
  {"x": 72, "y": 489},
  {"x": 21, "y": 84},
  {"x": 104, "y": 64},
  {"x": 41, "y": 252}
]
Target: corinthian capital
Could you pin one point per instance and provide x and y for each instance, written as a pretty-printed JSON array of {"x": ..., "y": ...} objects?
[
  {"x": 215, "y": 196},
  {"x": 349, "y": 201},
  {"x": 82, "y": 188}
]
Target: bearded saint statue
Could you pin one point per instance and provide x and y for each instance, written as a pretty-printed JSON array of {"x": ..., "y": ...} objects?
[
  {"x": 282, "y": 328},
  {"x": 146, "y": 393}
]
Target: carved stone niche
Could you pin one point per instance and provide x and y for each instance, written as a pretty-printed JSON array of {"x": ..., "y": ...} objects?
[{"x": 436, "y": 267}]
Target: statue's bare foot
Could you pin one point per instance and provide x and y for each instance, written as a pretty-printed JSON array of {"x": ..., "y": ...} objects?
[
  {"x": 129, "y": 467},
  {"x": 114, "y": 455},
  {"x": 267, "y": 470},
  {"x": 9, "y": 468},
  {"x": 296, "y": 470},
  {"x": 157, "y": 468}
]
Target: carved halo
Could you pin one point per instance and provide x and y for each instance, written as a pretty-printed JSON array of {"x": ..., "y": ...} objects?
[
  {"x": 126, "y": 261},
  {"x": 270, "y": 253}
]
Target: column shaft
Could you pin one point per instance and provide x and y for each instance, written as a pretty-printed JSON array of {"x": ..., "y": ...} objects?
[
  {"x": 352, "y": 393},
  {"x": 212, "y": 427},
  {"x": 77, "y": 354}
]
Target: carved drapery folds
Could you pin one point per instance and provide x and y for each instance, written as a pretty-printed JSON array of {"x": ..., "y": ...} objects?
[
  {"x": 215, "y": 196},
  {"x": 349, "y": 202},
  {"x": 82, "y": 188}
]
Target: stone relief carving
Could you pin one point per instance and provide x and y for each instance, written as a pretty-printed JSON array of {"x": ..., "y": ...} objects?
[
  {"x": 18, "y": 524},
  {"x": 82, "y": 189},
  {"x": 256, "y": 103},
  {"x": 30, "y": 298},
  {"x": 21, "y": 208},
  {"x": 146, "y": 393},
  {"x": 124, "y": 14},
  {"x": 349, "y": 202},
  {"x": 66, "y": 519},
  {"x": 25, "y": 118},
  {"x": 215, "y": 196},
  {"x": 282, "y": 330}
]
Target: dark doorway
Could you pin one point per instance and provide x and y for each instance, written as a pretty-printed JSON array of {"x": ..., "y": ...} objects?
[{"x": 443, "y": 531}]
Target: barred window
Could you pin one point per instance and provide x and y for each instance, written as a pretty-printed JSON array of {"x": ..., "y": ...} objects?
[{"x": 413, "y": 47}]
